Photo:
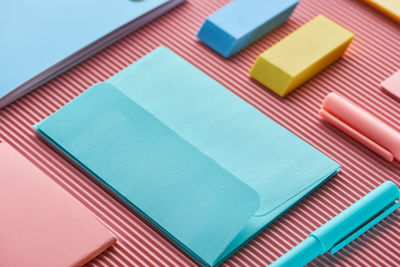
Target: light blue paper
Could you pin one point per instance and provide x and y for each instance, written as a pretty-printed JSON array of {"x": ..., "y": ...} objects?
[
  {"x": 36, "y": 34},
  {"x": 222, "y": 130}
]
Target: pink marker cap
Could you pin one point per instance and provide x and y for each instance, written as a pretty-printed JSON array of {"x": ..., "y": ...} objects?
[
  {"x": 392, "y": 85},
  {"x": 362, "y": 126}
]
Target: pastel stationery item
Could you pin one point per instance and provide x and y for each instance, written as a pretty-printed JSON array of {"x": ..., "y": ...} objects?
[
  {"x": 345, "y": 227},
  {"x": 242, "y": 22},
  {"x": 184, "y": 159},
  {"x": 301, "y": 55},
  {"x": 392, "y": 85},
  {"x": 391, "y": 8},
  {"x": 206, "y": 168},
  {"x": 34, "y": 51},
  {"x": 362, "y": 126},
  {"x": 40, "y": 223}
]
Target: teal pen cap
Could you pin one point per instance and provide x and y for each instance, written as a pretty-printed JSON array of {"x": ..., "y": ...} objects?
[{"x": 346, "y": 226}]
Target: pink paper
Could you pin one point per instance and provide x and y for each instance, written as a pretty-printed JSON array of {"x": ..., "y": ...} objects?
[
  {"x": 40, "y": 223},
  {"x": 392, "y": 85}
]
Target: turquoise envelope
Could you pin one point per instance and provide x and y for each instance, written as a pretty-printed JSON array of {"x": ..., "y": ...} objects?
[{"x": 205, "y": 167}]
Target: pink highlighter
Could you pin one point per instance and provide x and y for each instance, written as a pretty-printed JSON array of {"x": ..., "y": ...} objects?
[{"x": 362, "y": 126}]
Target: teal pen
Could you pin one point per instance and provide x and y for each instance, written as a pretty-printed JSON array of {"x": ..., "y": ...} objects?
[{"x": 345, "y": 227}]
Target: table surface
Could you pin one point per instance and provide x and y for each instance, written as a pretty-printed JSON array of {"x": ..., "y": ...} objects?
[{"x": 373, "y": 56}]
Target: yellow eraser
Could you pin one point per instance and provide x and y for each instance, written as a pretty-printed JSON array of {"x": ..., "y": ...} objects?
[
  {"x": 389, "y": 7},
  {"x": 301, "y": 55}
]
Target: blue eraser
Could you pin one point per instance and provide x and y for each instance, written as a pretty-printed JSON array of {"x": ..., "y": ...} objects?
[{"x": 242, "y": 22}]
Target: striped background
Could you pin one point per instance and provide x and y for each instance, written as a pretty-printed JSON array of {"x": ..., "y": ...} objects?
[{"x": 373, "y": 56}]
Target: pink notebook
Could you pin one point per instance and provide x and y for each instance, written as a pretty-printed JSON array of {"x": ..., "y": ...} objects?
[{"x": 40, "y": 223}]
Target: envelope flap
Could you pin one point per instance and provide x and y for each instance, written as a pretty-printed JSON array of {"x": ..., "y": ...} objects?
[{"x": 187, "y": 195}]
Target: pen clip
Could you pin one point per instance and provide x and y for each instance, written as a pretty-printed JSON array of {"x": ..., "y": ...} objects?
[
  {"x": 376, "y": 219},
  {"x": 356, "y": 135}
]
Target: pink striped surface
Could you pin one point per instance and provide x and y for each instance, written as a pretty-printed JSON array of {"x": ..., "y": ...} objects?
[{"x": 372, "y": 57}]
